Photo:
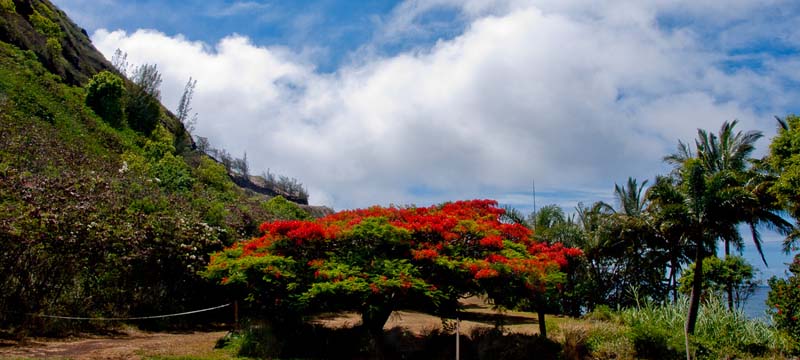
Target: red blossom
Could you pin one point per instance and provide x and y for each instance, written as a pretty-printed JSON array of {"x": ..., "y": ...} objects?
[
  {"x": 424, "y": 254},
  {"x": 486, "y": 273},
  {"x": 495, "y": 258},
  {"x": 493, "y": 241},
  {"x": 316, "y": 263},
  {"x": 451, "y": 229}
]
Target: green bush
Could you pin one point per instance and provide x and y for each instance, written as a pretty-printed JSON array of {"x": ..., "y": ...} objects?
[
  {"x": 8, "y": 6},
  {"x": 285, "y": 209},
  {"x": 718, "y": 274},
  {"x": 104, "y": 95},
  {"x": 213, "y": 174},
  {"x": 143, "y": 111},
  {"x": 215, "y": 213},
  {"x": 53, "y": 47},
  {"x": 44, "y": 25},
  {"x": 784, "y": 303},
  {"x": 601, "y": 313},
  {"x": 172, "y": 173},
  {"x": 650, "y": 341},
  {"x": 658, "y": 331}
]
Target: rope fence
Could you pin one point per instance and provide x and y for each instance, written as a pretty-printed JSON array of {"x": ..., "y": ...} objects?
[{"x": 129, "y": 318}]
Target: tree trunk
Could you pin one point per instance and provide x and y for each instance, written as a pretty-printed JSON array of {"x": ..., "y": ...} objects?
[
  {"x": 373, "y": 318},
  {"x": 542, "y": 324},
  {"x": 673, "y": 279},
  {"x": 728, "y": 285},
  {"x": 694, "y": 300}
]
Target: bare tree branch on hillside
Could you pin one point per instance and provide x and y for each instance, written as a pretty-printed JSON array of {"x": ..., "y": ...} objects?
[{"x": 185, "y": 106}]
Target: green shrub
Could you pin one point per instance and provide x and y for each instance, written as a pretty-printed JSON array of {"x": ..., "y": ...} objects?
[
  {"x": 285, "y": 209},
  {"x": 650, "y": 341},
  {"x": 609, "y": 341},
  {"x": 718, "y": 274},
  {"x": 53, "y": 47},
  {"x": 784, "y": 303},
  {"x": 8, "y": 6},
  {"x": 104, "y": 95},
  {"x": 44, "y": 25},
  {"x": 215, "y": 214},
  {"x": 657, "y": 330},
  {"x": 142, "y": 111},
  {"x": 172, "y": 173},
  {"x": 213, "y": 174},
  {"x": 601, "y": 313}
]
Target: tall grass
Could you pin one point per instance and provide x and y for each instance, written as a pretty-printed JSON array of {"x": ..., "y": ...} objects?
[{"x": 657, "y": 331}]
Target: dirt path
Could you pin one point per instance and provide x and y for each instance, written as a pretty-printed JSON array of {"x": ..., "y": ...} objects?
[
  {"x": 477, "y": 314},
  {"x": 133, "y": 344}
]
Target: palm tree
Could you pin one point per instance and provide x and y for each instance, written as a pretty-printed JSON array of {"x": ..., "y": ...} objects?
[
  {"x": 708, "y": 203},
  {"x": 718, "y": 193},
  {"x": 669, "y": 220},
  {"x": 730, "y": 152},
  {"x": 629, "y": 198}
]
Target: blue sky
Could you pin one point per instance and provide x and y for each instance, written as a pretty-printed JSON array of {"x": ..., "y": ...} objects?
[{"x": 422, "y": 101}]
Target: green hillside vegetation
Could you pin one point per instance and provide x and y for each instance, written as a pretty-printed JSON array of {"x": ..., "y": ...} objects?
[{"x": 106, "y": 208}]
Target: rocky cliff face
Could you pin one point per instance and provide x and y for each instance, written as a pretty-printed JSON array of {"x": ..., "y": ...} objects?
[{"x": 63, "y": 47}]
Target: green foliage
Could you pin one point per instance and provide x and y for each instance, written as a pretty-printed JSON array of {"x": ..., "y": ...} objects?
[
  {"x": 651, "y": 341},
  {"x": 142, "y": 111},
  {"x": 45, "y": 25},
  {"x": 172, "y": 173},
  {"x": 783, "y": 303},
  {"x": 601, "y": 313},
  {"x": 657, "y": 331},
  {"x": 215, "y": 213},
  {"x": 285, "y": 209},
  {"x": 86, "y": 229},
  {"x": 53, "y": 48},
  {"x": 213, "y": 175},
  {"x": 718, "y": 274},
  {"x": 104, "y": 95},
  {"x": 8, "y": 6},
  {"x": 784, "y": 160}
]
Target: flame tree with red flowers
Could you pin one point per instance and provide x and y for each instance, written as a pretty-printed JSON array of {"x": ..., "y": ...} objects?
[{"x": 380, "y": 259}]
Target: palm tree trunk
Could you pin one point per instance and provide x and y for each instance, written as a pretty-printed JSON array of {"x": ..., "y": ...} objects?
[
  {"x": 673, "y": 279},
  {"x": 728, "y": 285},
  {"x": 694, "y": 300}
]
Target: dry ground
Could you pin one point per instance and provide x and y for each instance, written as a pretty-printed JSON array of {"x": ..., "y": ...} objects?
[
  {"x": 130, "y": 344},
  {"x": 136, "y": 344}
]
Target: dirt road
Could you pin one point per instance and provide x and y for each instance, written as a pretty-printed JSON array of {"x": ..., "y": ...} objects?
[{"x": 132, "y": 344}]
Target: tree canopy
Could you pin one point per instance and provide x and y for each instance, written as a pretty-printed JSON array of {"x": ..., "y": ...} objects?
[{"x": 380, "y": 259}]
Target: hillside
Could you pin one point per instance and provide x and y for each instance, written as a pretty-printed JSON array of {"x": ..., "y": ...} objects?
[{"x": 100, "y": 215}]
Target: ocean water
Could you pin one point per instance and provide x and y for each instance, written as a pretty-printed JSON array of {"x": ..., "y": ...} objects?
[
  {"x": 756, "y": 306},
  {"x": 777, "y": 265},
  {"x": 777, "y": 260}
]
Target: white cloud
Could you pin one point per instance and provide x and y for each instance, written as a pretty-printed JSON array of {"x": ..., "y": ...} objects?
[{"x": 577, "y": 98}]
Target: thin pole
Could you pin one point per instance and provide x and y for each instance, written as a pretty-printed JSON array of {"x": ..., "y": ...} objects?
[
  {"x": 533, "y": 183},
  {"x": 458, "y": 339}
]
